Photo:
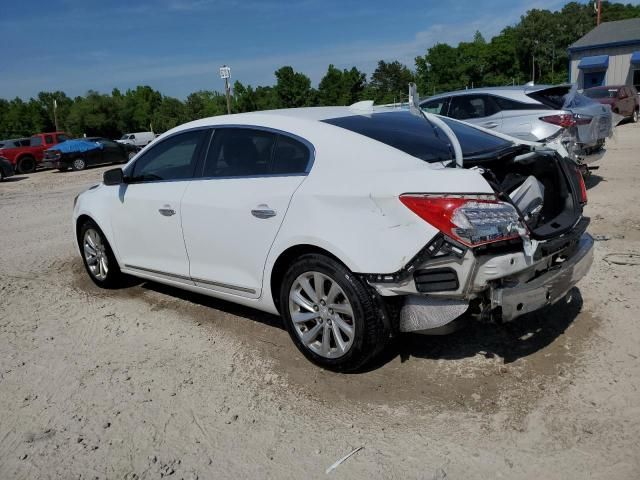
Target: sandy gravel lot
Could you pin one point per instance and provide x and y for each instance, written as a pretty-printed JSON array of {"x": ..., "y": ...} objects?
[{"x": 151, "y": 382}]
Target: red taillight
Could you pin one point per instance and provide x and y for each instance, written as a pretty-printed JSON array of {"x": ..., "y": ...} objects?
[
  {"x": 562, "y": 120},
  {"x": 471, "y": 221},
  {"x": 583, "y": 187}
]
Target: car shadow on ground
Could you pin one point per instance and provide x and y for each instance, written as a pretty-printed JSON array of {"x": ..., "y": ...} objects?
[
  {"x": 511, "y": 341},
  {"x": 216, "y": 304},
  {"x": 593, "y": 180},
  {"x": 17, "y": 178}
]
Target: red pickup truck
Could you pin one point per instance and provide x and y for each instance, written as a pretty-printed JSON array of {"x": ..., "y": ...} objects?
[{"x": 25, "y": 159}]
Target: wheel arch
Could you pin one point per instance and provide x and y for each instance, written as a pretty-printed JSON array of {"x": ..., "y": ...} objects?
[
  {"x": 285, "y": 259},
  {"x": 80, "y": 221},
  {"x": 22, "y": 156}
]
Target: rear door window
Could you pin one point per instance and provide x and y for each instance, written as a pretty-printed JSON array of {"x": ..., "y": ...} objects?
[
  {"x": 466, "y": 107},
  {"x": 48, "y": 139},
  {"x": 290, "y": 156},
  {"x": 239, "y": 152},
  {"x": 510, "y": 104}
]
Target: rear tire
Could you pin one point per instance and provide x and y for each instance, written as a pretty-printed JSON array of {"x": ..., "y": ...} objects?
[
  {"x": 78, "y": 164},
  {"x": 333, "y": 318},
  {"x": 98, "y": 257},
  {"x": 26, "y": 164}
]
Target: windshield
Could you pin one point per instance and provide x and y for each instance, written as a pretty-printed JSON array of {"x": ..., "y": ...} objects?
[
  {"x": 417, "y": 137},
  {"x": 125, "y": 137},
  {"x": 601, "y": 93}
]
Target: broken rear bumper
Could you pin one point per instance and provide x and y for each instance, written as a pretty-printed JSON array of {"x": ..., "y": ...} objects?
[{"x": 546, "y": 289}]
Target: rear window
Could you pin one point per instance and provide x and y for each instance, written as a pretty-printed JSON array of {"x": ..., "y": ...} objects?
[
  {"x": 417, "y": 137},
  {"x": 552, "y": 97}
]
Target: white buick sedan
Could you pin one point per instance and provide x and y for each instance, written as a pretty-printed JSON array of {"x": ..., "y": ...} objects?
[{"x": 352, "y": 224}]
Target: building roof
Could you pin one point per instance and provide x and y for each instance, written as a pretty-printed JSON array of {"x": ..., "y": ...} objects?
[{"x": 618, "y": 32}]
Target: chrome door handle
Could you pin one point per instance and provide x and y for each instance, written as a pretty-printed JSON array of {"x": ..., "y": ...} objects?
[
  {"x": 167, "y": 212},
  {"x": 263, "y": 211},
  {"x": 490, "y": 124}
]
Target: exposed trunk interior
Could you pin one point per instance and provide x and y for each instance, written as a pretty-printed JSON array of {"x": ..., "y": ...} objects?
[{"x": 543, "y": 186}]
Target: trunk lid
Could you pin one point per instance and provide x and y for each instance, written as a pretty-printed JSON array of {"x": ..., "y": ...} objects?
[{"x": 544, "y": 187}]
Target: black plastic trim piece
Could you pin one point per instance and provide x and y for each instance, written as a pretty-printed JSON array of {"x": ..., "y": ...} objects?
[
  {"x": 440, "y": 247},
  {"x": 436, "y": 280}
]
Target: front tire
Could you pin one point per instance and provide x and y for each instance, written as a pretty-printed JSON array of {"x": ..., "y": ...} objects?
[
  {"x": 634, "y": 117},
  {"x": 332, "y": 317},
  {"x": 98, "y": 257}
]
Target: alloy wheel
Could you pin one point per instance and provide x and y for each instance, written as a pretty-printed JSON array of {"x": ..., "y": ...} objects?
[
  {"x": 321, "y": 314},
  {"x": 78, "y": 164},
  {"x": 95, "y": 254}
]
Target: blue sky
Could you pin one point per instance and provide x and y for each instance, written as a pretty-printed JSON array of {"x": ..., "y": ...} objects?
[{"x": 176, "y": 46}]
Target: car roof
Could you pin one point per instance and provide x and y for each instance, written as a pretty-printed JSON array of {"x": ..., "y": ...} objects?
[
  {"x": 518, "y": 92},
  {"x": 285, "y": 115}
]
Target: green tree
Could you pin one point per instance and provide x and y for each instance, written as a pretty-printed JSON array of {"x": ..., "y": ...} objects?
[
  {"x": 341, "y": 87},
  {"x": 293, "y": 89},
  {"x": 390, "y": 82}
]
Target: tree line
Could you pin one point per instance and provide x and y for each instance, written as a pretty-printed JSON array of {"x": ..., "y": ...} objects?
[{"x": 536, "y": 47}]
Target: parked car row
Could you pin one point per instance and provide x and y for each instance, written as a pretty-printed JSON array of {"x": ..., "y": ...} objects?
[
  {"x": 81, "y": 153},
  {"x": 59, "y": 150},
  {"x": 25, "y": 158},
  {"x": 352, "y": 223}
]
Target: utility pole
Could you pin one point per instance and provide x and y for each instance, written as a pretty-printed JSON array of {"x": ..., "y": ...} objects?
[
  {"x": 225, "y": 74},
  {"x": 599, "y": 7},
  {"x": 55, "y": 114},
  {"x": 533, "y": 68}
]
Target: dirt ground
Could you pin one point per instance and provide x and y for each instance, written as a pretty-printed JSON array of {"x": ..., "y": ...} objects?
[{"x": 151, "y": 382}]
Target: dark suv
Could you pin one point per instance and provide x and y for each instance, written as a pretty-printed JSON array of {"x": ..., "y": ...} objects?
[{"x": 623, "y": 99}]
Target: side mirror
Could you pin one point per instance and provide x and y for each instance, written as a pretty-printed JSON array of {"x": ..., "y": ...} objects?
[{"x": 115, "y": 176}]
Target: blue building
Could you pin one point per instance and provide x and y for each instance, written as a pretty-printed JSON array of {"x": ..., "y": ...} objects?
[{"x": 607, "y": 55}]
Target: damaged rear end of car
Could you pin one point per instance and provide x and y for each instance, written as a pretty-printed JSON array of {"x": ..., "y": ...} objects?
[{"x": 496, "y": 256}]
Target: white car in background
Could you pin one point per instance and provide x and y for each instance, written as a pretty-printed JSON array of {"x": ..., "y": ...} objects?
[
  {"x": 138, "y": 139},
  {"x": 353, "y": 224},
  {"x": 531, "y": 112}
]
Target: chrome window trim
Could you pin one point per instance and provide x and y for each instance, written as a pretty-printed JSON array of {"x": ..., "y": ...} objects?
[{"x": 201, "y": 162}]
